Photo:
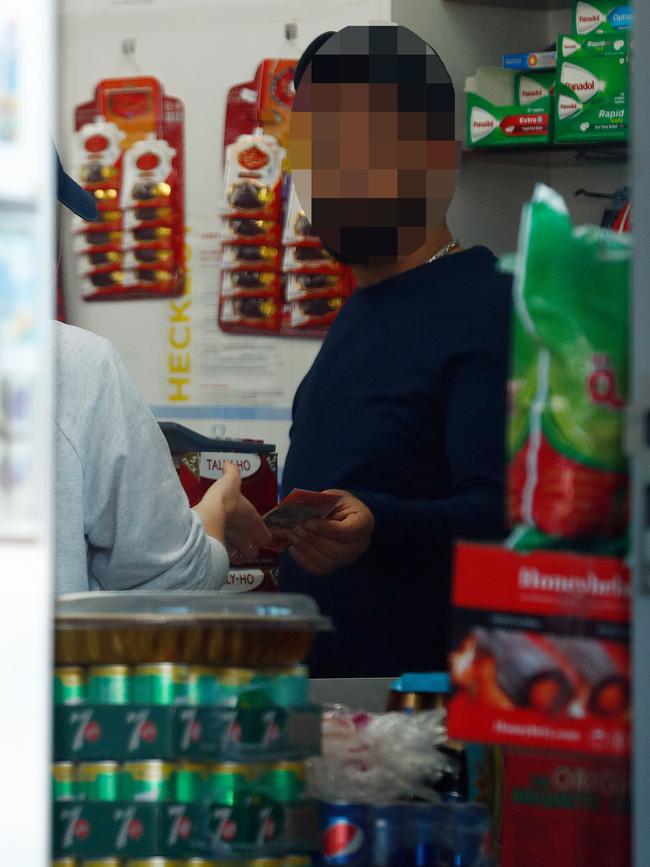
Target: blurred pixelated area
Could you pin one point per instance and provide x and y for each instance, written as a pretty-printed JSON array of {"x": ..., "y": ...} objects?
[{"x": 371, "y": 143}]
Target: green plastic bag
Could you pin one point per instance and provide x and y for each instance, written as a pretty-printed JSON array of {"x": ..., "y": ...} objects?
[{"x": 568, "y": 484}]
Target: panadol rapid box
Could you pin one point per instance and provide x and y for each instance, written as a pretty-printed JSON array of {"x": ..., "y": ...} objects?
[
  {"x": 601, "y": 16},
  {"x": 591, "y": 99},
  {"x": 495, "y": 115},
  {"x": 591, "y": 45}
]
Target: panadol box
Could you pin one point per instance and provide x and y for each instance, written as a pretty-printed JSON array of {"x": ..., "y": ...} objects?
[
  {"x": 592, "y": 45},
  {"x": 533, "y": 85},
  {"x": 592, "y": 99},
  {"x": 601, "y": 16},
  {"x": 496, "y": 117}
]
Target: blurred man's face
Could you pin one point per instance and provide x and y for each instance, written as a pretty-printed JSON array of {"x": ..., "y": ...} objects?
[{"x": 374, "y": 177}]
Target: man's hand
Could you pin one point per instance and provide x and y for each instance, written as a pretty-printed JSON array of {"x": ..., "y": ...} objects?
[
  {"x": 229, "y": 517},
  {"x": 320, "y": 547}
]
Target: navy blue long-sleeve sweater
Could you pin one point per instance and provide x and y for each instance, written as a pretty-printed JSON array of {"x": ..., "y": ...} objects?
[{"x": 405, "y": 406}]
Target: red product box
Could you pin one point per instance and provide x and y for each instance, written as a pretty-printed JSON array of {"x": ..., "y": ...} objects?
[
  {"x": 199, "y": 461},
  {"x": 584, "y": 801},
  {"x": 540, "y": 655},
  {"x": 246, "y": 579}
]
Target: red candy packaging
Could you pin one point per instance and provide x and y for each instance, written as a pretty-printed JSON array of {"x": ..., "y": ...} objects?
[
  {"x": 250, "y": 314},
  {"x": 316, "y": 285},
  {"x": 241, "y": 112},
  {"x": 277, "y": 278},
  {"x": 244, "y": 284},
  {"x": 199, "y": 461},
  {"x": 253, "y": 178},
  {"x": 243, "y": 580},
  {"x": 260, "y": 257},
  {"x": 129, "y": 155},
  {"x": 311, "y": 312}
]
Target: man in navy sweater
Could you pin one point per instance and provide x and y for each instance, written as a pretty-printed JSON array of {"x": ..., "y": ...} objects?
[{"x": 403, "y": 411}]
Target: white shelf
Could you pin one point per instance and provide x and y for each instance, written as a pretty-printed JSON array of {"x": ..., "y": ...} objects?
[
  {"x": 518, "y": 4},
  {"x": 550, "y": 155}
]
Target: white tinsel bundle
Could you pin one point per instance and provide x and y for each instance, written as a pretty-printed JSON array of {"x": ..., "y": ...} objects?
[{"x": 381, "y": 758}]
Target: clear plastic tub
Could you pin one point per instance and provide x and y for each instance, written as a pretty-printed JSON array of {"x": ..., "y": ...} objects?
[{"x": 216, "y": 628}]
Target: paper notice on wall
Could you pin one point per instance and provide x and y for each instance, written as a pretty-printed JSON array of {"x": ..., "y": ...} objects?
[{"x": 233, "y": 370}]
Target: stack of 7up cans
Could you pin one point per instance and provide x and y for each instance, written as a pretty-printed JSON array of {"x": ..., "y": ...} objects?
[{"x": 173, "y": 765}]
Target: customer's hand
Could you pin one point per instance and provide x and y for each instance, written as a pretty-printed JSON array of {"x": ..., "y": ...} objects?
[
  {"x": 229, "y": 517},
  {"x": 246, "y": 533},
  {"x": 322, "y": 546}
]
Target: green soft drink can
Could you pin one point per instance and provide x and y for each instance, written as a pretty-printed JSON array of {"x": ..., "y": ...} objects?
[
  {"x": 202, "y": 686},
  {"x": 224, "y": 782},
  {"x": 281, "y": 781},
  {"x": 98, "y": 781},
  {"x": 234, "y": 685},
  {"x": 69, "y": 685},
  {"x": 287, "y": 687},
  {"x": 109, "y": 684},
  {"x": 148, "y": 781},
  {"x": 161, "y": 683},
  {"x": 191, "y": 779},
  {"x": 64, "y": 787},
  {"x": 207, "y": 862},
  {"x": 155, "y": 862}
]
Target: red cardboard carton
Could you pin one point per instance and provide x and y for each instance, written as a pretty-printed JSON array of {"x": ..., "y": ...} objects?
[
  {"x": 540, "y": 655},
  {"x": 585, "y": 800}
]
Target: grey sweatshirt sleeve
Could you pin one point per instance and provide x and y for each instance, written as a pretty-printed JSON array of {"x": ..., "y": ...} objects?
[{"x": 140, "y": 529}]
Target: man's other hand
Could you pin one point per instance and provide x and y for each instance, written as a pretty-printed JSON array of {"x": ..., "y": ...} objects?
[{"x": 322, "y": 546}]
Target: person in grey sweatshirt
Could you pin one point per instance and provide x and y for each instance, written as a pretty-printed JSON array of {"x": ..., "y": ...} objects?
[{"x": 122, "y": 520}]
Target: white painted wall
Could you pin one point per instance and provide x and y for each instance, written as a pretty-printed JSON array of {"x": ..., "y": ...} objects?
[{"x": 198, "y": 49}]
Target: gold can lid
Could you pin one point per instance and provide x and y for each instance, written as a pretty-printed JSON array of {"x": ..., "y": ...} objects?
[
  {"x": 152, "y": 767},
  {"x": 108, "y": 671}
]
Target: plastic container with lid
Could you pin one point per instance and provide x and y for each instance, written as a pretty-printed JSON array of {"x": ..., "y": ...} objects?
[{"x": 217, "y": 628}]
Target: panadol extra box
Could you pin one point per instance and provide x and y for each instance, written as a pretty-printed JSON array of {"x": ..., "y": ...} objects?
[
  {"x": 496, "y": 116},
  {"x": 601, "y": 16},
  {"x": 592, "y": 99}
]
